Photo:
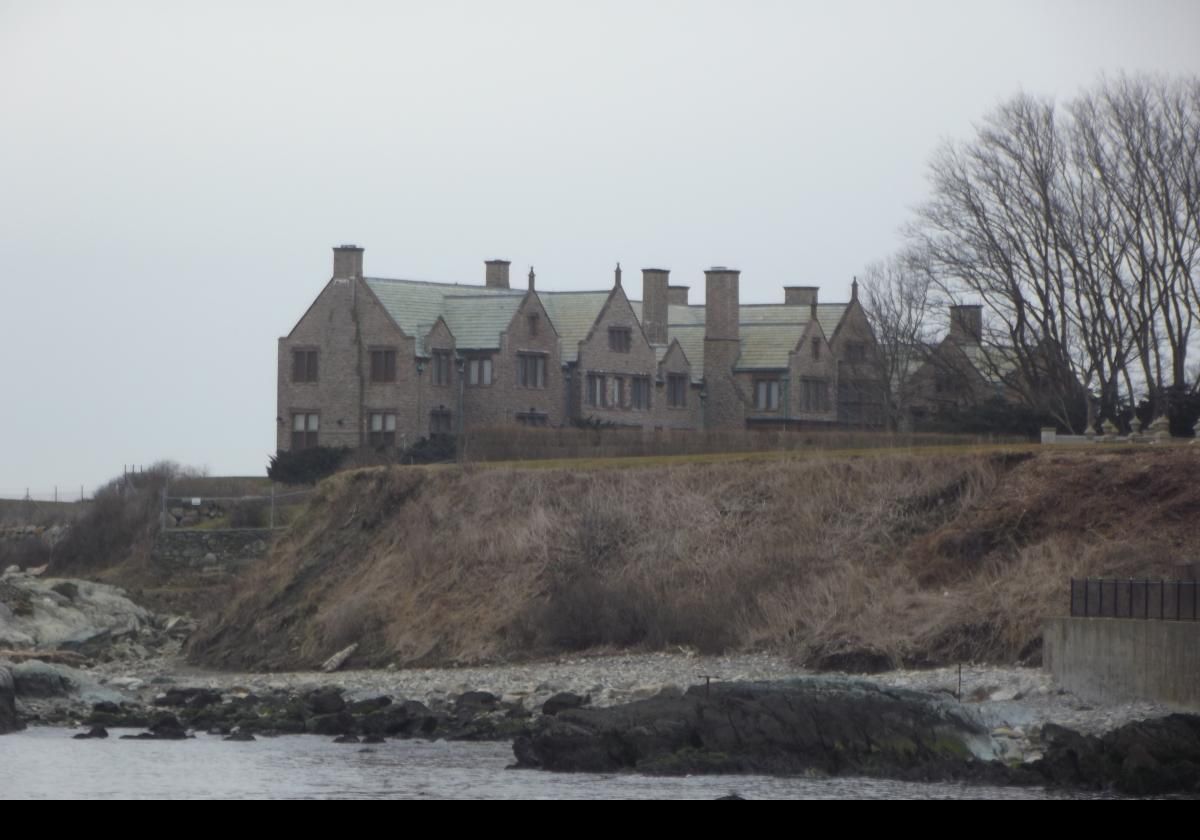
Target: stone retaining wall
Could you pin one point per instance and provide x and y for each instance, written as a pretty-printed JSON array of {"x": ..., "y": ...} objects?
[{"x": 228, "y": 549}]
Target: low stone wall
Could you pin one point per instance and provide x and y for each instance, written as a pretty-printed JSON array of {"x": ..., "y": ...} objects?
[
  {"x": 1116, "y": 660},
  {"x": 222, "y": 549}
]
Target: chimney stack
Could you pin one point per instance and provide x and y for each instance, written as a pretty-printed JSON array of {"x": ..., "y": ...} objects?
[
  {"x": 531, "y": 278},
  {"x": 347, "y": 262},
  {"x": 677, "y": 295},
  {"x": 724, "y": 407},
  {"x": 496, "y": 274},
  {"x": 966, "y": 323},
  {"x": 721, "y": 304},
  {"x": 655, "y": 297},
  {"x": 800, "y": 295}
]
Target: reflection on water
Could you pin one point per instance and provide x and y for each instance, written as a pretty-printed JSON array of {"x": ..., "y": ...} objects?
[{"x": 47, "y": 763}]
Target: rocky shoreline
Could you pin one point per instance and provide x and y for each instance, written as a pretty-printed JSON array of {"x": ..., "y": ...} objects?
[{"x": 1013, "y": 725}]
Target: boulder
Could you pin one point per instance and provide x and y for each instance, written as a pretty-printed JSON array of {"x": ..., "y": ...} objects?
[
  {"x": 34, "y": 679},
  {"x": 818, "y": 724},
  {"x": 325, "y": 701},
  {"x": 8, "y": 703},
  {"x": 94, "y": 732},
  {"x": 564, "y": 700}
]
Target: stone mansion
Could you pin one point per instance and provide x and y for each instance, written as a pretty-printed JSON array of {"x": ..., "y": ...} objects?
[{"x": 382, "y": 362}]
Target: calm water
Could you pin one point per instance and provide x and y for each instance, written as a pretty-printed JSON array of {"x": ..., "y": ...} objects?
[{"x": 47, "y": 764}]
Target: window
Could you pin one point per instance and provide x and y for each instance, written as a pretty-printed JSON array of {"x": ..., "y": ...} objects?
[
  {"x": 441, "y": 367},
  {"x": 304, "y": 430},
  {"x": 382, "y": 429},
  {"x": 479, "y": 371},
  {"x": 620, "y": 339},
  {"x": 641, "y": 393},
  {"x": 619, "y": 391},
  {"x": 597, "y": 394},
  {"x": 383, "y": 365},
  {"x": 533, "y": 324},
  {"x": 766, "y": 394},
  {"x": 816, "y": 349},
  {"x": 304, "y": 365},
  {"x": 531, "y": 370},
  {"x": 533, "y": 418},
  {"x": 441, "y": 422},
  {"x": 856, "y": 352},
  {"x": 677, "y": 385},
  {"x": 814, "y": 395}
]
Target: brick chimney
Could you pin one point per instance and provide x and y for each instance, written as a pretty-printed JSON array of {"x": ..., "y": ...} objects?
[
  {"x": 966, "y": 323},
  {"x": 347, "y": 262},
  {"x": 677, "y": 295},
  {"x": 654, "y": 304},
  {"x": 800, "y": 295},
  {"x": 496, "y": 274}
]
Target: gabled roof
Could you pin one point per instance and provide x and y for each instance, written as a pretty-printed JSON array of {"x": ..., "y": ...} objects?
[
  {"x": 416, "y": 304},
  {"x": 766, "y": 346},
  {"x": 478, "y": 320},
  {"x": 573, "y": 314},
  {"x": 477, "y": 315}
]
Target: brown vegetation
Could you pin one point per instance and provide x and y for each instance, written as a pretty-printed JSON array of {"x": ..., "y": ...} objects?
[{"x": 844, "y": 562}]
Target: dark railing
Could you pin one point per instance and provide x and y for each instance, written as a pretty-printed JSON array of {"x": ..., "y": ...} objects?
[{"x": 1169, "y": 600}]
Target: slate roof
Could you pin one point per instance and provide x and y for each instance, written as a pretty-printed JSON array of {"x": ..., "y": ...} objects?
[{"x": 477, "y": 315}]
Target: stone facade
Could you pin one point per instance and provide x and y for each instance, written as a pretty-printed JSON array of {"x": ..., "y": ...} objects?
[{"x": 377, "y": 362}]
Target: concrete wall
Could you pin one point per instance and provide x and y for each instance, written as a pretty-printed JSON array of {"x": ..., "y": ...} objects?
[{"x": 1117, "y": 660}]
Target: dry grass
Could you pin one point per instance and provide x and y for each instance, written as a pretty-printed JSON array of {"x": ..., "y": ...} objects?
[
  {"x": 515, "y": 444},
  {"x": 841, "y": 561}
]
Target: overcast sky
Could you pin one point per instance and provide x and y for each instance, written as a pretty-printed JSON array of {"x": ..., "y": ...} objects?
[{"x": 173, "y": 175}]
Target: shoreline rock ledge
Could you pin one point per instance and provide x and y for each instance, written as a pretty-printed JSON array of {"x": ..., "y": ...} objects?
[
  {"x": 824, "y": 725},
  {"x": 9, "y": 722}
]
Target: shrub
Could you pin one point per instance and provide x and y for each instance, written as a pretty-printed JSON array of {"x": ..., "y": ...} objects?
[
  {"x": 306, "y": 466},
  {"x": 250, "y": 513}
]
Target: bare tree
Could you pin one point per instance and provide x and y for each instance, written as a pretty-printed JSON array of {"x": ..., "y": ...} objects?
[
  {"x": 897, "y": 297},
  {"x": 1079, "y": 231}
]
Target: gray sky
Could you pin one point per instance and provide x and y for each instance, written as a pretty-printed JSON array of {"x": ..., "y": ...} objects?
[{"x": 173, "y": 175}]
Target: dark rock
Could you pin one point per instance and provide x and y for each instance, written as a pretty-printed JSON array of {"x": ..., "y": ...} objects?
[
  {"x": 824, "y": 725},
  {"x": 409, "y": 719},
  {"x": 476, "y": 701},
  {"x": 374, "y": 704},
  {"x": 66, "y": 589},
  {"x": 94, "y": 732},
  {"x": 325, "y": 701},
  {"x": 346, "y": 739},
  {"x": 861, "y": 661},
  {"x": 239, "y": 736},
  {"x": 340, "y": 723},
  {"x": 168, "y": 728},
  {"x": 106, "y": 707},
  {"x": 8, "y": 703},
  {"x": 38, "y": 680},
  {"x": 1143, "y": 758},
  {"x": 193, "y": 698},
  {"x": 564, "y": 700},
  {"x": 374, "y": 739}
]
